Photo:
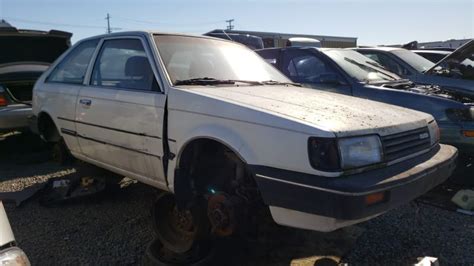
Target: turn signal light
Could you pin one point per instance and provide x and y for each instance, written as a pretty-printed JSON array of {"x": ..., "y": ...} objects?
[
  {"x": 374, "y": 198},
  {"x": 468, "y": 133},
  {"x": 3, "y": 101}
]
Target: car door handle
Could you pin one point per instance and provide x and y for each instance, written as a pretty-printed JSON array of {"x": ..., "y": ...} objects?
[{"x": 85, "y": 102}]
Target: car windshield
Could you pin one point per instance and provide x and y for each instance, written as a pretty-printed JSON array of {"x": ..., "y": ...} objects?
[
  {"x": 203, "y": 61},
  {"x": 360, "y": 67},
  {"x": 416, "y": 61}
]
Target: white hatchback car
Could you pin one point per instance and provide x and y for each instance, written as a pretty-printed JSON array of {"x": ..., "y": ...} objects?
[{"x": 213, "y": 123}]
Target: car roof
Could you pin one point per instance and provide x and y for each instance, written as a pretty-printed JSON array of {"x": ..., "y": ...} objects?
[
  {"x": 431, "y": 51},
  {"x": 150, "y": 32},
  {"x": 380, "y": 48},
  {"x": 295, "y": 48}
]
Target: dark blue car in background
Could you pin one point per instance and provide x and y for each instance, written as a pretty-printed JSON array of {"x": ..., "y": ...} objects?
[{"x": 349, "y": 72}]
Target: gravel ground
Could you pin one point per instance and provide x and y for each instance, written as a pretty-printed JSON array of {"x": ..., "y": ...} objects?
[{"x": 115, "y": 228}]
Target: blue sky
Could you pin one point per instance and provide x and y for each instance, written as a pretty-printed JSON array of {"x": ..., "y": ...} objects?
[{"x": 373, "y": 22}]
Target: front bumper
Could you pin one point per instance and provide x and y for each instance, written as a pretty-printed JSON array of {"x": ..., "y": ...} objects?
[
  {"x": 14, "y": 117},
  {"x": 325, "y": 204}
]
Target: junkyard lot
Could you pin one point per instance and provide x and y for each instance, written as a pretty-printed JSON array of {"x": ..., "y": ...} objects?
[{"x": 116, "y": 227}]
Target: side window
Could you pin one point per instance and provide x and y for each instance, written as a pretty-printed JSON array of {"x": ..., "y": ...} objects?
[
  {"x": 270, "y": 56},
  {"x": 307, "y": 68},
  {"x": 122, "y": 63},
  {"x": 73, "y": 67}
]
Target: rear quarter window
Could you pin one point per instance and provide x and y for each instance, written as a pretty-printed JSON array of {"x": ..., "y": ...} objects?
[{"x": 73, "y": 67}]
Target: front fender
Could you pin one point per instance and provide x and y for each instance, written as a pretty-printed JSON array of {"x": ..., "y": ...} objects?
[{"x": 224, "y": 135}]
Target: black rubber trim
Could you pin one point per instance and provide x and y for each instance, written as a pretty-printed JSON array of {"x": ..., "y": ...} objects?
[
  {"x": 68, "y": 132},
  {"x": 344, "y": 197},
  {"x": 109, "y": 128},
  {"x": 74, "y": 133}
]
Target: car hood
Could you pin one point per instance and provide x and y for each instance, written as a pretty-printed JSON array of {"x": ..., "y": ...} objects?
[
  {"x": 6, "y": 234},
  {"x": 343, "y": 115},
  {"x": 438, "y": 91},
  {"x": 467, "y": 50}
]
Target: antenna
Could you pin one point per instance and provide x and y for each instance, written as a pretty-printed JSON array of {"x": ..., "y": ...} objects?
[{"x": 230, "y": 26}]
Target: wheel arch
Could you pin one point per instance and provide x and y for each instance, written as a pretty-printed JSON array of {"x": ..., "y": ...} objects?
[
  {"x": 234, "y": 147},
  {"x": 47, "y": 127},
  {"x": 182, "y": 181}
]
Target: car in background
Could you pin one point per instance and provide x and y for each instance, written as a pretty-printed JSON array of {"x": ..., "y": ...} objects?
[
  {"x": 454, "y": 73},
  {"x": 432, "y": 55},
  {"x": 348, "y": 72},
  {"x": 10, "y": 253},
  {"x": 24, "y": 56},
  {"x": 302, "y": 42}
]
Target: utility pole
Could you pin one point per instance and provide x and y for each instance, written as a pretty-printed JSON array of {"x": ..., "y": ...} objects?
[
  {"x": 108, "y": 23},
  {"x": 230, "y": 26}
]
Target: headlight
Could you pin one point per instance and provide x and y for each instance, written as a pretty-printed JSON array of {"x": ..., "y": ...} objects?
[
  {"x": 328, "y": 154},
  {"x": 13, "y": 257},
  {"x": 464, "y": 114},
  {"x": 434, "y": 132},
  {"x": 360, "y": 151}
]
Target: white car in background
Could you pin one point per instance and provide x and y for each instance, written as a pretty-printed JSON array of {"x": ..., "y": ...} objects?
[
  {"x": 10, "y": 254},
  {"x": 211, "y": 122}
]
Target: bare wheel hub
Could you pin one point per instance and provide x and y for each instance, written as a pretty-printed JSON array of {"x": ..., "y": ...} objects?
[{"x": 221, "y": 215}]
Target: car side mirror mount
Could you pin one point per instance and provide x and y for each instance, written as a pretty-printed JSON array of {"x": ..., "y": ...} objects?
[{"x": 330, "y": 78}]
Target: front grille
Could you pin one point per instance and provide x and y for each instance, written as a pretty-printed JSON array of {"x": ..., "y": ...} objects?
[{"x": 403, "y": 144}]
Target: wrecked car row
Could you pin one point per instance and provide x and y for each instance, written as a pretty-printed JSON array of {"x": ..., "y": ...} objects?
[
  {"x": 348, "y": 72},
  {"x": 226, "y": 134}
]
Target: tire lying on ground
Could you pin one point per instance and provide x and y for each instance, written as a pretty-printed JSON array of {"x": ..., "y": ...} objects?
[{"x": 158, "y": 255}]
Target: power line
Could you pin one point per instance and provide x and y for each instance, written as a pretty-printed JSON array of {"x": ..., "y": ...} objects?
[{"x": 169, "y": 23}]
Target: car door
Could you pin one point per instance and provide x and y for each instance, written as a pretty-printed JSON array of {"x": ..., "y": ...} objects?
[
  {"x": 304, "y": 66},
  {"x": 61, "y": 89},
  {"x": 120, "y": 114}
]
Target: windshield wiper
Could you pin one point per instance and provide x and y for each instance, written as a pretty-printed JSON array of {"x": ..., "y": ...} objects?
[
  {"x": 375, "y": 64},
  {"x": 274, "y": 82},
  {"x": 213, "y": 81},
  {"x": 202, "y": 81},
  {"x": 367, "y": 68}
]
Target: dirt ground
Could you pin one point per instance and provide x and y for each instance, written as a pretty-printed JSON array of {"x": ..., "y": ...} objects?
[{"x": 115, "y": 227}]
